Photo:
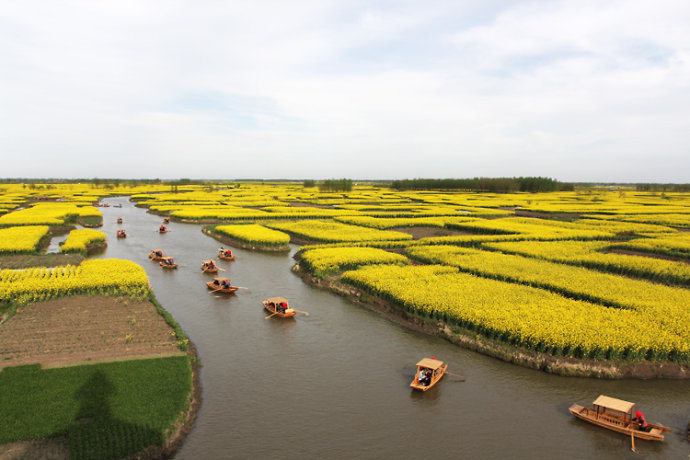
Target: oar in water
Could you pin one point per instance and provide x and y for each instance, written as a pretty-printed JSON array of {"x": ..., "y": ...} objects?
[
  {"x": 221, "y": 269},
  {"x": 462, "y": 379},
  {"x": 240, "y": 287},
  {"x": 300, "y": 311},
  {"x": 273, "y": 314},
  {"x": 632, "y": 438}
]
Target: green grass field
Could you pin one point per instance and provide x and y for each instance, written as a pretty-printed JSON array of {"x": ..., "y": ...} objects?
[{"x": 109, "y": 410}]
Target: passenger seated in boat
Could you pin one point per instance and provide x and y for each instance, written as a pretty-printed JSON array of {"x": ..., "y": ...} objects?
[
  {"x": 424, "y": 377},
  {"x": 224, "y": 284},
  {"x": 228, "y": 253},
  {"x": 215, "y": 282},
  {"x": 281, "y": 307},
  {"x": 639, "y": 417}
]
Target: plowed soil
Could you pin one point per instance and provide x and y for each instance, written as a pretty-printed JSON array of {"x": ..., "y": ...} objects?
[{"x": 81, "y": 329}]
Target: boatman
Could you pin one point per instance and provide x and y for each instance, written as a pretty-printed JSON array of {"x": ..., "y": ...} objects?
[{"x": 639, "y": 418}]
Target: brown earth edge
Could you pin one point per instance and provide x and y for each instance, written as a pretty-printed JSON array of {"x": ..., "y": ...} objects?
[
  {"x": 563, "y": 366},
  {"x": 239, "y": 244},
  {"x": 58, "y": 448},
  {"x": 183, "y": 428}
]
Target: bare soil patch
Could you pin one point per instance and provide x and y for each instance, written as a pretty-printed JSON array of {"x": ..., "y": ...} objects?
[
  {"x": 39, "y": 260},
  {"x": 80, "y": 329},
  {"x": 37, "y": 449}
]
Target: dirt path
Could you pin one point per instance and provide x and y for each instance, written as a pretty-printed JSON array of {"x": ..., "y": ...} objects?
[{"x": 81, "y": 329}]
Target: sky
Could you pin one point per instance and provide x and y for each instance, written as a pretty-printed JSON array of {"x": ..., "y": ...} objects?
[{"x": 578, "y": 91}]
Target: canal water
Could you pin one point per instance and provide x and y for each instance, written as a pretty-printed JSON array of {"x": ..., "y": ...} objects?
[{"x": 335, "y": 384}]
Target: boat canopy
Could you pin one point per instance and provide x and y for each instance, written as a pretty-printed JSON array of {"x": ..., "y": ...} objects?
[
  {"x": 430, "y": 363},
  {"x": 614, "y": 404},
  {"x": 277, "y": 300}
]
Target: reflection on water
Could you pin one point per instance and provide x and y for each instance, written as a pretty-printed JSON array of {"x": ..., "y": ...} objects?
[{"x": 335, "y": 384}]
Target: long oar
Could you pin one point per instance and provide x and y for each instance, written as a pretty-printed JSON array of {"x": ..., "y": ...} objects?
[
  {"x": 462, "y": 378},
  {"x": 221, "y": 269},
  {"x": 632, "y": 438},
  {"x": 273, "y": 314},
  {"x": 240, "y": 287},
  {"x": 300, "y": 311}
]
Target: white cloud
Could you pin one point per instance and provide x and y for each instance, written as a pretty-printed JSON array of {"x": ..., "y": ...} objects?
[{"x": 333, "y": 89}]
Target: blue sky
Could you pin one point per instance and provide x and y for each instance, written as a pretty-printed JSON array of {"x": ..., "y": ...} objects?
[{"x": 573, "y": 90}]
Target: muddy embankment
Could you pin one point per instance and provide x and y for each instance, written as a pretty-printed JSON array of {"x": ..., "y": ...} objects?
[{"x": 522, "y": 357}]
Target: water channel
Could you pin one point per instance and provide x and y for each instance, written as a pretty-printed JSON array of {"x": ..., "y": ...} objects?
[{"x": 334, "y": 384}]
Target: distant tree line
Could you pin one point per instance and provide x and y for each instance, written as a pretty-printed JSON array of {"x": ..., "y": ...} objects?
[
  {"x": 485, "y": 184},
  {"x": 662, "y": 187},
  {"x": 335, "y": 185}
]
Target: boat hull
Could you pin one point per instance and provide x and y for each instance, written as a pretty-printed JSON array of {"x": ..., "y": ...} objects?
[
  {"x": 617, "y": 424},
  {"x": 287, "y": 314},
  {"x": 226, "y": 257},
  {"x": 214, "y": 288}
]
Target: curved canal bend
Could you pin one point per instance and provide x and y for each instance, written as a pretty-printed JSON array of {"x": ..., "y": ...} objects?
[{"x": 335, "y": 384}]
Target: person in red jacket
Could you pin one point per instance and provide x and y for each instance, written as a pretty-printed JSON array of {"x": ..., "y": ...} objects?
[{"x": 639, "y": 418}]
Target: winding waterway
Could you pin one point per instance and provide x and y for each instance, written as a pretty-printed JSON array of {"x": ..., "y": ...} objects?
[{"x": 335, "y": 384}]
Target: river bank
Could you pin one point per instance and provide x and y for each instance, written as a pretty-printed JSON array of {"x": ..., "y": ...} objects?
[{"x": 563, "y": 366}]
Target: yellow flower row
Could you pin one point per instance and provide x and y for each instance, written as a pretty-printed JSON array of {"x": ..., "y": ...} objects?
[
  {"x": 48, "y": 214},
  {"x": 255, "y": 234},
  {"x": 79, "y": 239},
  {"x": 330, "y": 260},
  {"x": 106, "y": 276},
  {"x": 527, "y": 316},
  {"x": 571, "y": 281},
  {"x": 335, "y": 231},
  {"x": 586, "y": 254},
  {"x": 674, "y": 245},
  {"x": 22, "y": 239}
]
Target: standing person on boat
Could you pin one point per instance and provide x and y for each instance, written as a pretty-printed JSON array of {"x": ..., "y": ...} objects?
[{"x": 639, "y": 418}]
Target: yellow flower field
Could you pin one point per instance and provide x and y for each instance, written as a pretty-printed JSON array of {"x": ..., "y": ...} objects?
[
  {"x": 106, "y": 276},
  {"x": 79, "y": 239},
  {"x": 529, "y": 317},
  {"x": 331, "y": 260},
  {"x": 254, "y": 234},
  {"x": 335, "y": 231},
  {"x": 586, "y": 254},
  {"x": 15, "y": 240},
  {"x": 575, "y": 282}
]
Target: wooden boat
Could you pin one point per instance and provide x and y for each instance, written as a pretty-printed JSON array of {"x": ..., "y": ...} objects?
[
  {"x": 432, "y": 366},
  {"x": 221, "y": 285},
  {"x": 119, "y": 220},
  {"x": 162, "y": 229},
  {"x": 167, "y": 262},
  {"x": 208, "y": 266},
  {"x": 166, "y": 220},
  {"x": 121, "y": 233},
  {"x": 156, "y": 254},
  {"x": 225, "y": 254},
  {"x": 280, "y": 306},
  {"x": 617, "y": 415}
]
